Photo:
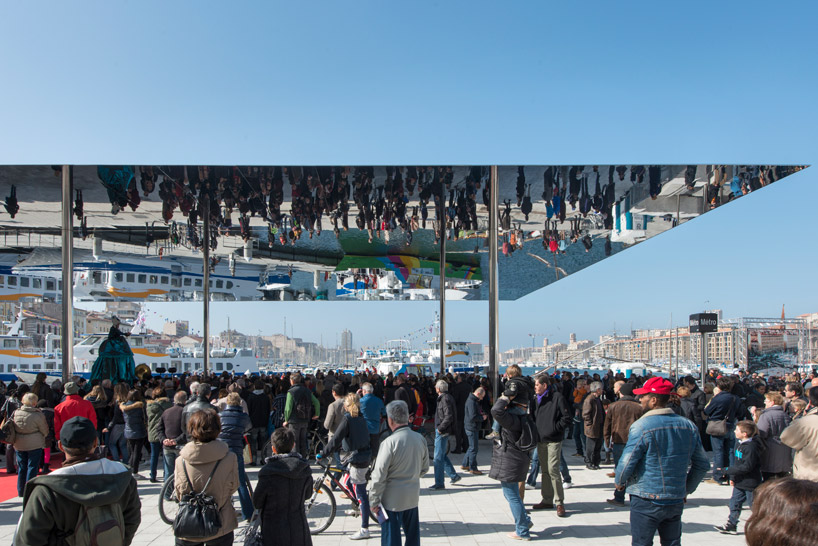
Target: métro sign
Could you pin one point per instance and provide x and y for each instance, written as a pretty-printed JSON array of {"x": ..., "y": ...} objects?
[{"x": 703, "y": 323}]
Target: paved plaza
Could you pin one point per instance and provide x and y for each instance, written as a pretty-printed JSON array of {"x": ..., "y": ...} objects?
[{"x": 474, "y": 512}]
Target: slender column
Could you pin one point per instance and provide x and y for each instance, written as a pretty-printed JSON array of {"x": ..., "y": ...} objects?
[
  {"x": 442, "y": 227},
  {"x": 206, "y": 287},
  {"x": 494, "y": 307},
  {"x": 67, "y": 338}
]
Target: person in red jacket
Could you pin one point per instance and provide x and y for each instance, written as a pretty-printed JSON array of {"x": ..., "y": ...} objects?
[{"x": 72, "y": 406}]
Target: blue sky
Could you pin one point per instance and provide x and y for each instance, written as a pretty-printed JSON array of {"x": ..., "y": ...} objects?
[{"x": 452, "y": 83}]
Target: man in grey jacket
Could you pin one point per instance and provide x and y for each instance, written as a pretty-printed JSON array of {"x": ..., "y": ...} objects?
[{"x": 402, "y": 459}]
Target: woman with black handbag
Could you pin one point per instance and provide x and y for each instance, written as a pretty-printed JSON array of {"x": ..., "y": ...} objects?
[{"x": 206, "y": 477}]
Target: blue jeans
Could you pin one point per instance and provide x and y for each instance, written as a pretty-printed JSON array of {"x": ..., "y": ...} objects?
[
  {"x": 406, "y": 520},
  {"x": 470, "y": 458},
  {"x": 28, "y": 465},
  {"x": 738, "y": 498},
  {"x": 511, "y": 492},
  {"x": 169, "y": 463},
  {"x": 363, "y": 498},
  {"x": 579, "y": 435},
  {"x": 617, "y": 453},
  {"x": 722, "y": 448},
  {"x": 117, "y": 444},
  {"x": 156, "y": 452},
  {"x": 566, "y": 475},
  {"x": 244, "y": 494},
  {"x": 533, "y": 472},
  {"x": 441, "y": 461},
  {"x": 647, "y": 518}
]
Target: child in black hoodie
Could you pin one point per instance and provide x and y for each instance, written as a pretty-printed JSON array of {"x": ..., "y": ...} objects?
[{"x": 744, "y": 473}]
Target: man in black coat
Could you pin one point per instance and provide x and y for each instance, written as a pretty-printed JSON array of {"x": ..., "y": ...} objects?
[
  {"x": 259, "y": 407},
  {"x": 445, "y": 419},
  {"x": 473, "y": 418},
  {"x": 552, "y": 416},
  {"x": 461, "y": 392},
  {"x": 404, "y": 392}
]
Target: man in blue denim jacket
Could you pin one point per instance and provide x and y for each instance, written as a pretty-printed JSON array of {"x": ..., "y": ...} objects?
[{"x": 654, "y": 466}]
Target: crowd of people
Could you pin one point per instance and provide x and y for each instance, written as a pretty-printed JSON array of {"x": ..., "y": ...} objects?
[{"x": 763, "y": 434}]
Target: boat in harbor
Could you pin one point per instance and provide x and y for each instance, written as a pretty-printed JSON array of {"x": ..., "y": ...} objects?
[{"x": 19, "y": 362}]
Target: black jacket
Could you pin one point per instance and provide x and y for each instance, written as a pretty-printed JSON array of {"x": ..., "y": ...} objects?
[
  {"x": 745, "y": 465},
  {"x": 405, "y": 393},
  {"x": 352, "y": 437},
  {"x": 699, "y": 398},
  {"x": 170, "y": 424},
  {"x": 472, "y": 415},
  {"x": 259, "y": 408},
  {"x": 234, "y": 424},
  {"x": 508, "y": 464},
  {"x": 689, "y": 410},
  {"x": 461, "y": 392},
  {"x": 446, "y": 414},
  {"x": 552, "y": 416},
  {"x": 724, "y": 405},
  {"x": 284, "y": 483}
]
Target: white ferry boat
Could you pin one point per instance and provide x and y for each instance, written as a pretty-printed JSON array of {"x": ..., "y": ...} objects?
[{"x": 18, "y": 362}]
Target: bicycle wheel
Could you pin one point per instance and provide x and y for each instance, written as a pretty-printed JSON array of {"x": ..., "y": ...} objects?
[
  {"x": 267, "y": 451},
  {"x": 168, "y": 505},
  {"x": 320, "y": 509},
  {"x": 317, "y": 444}
]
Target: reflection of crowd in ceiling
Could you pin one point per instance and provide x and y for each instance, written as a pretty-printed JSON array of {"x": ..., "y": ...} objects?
[
  {"x": 401, "y": 200},
  {"x": 223, "y": 192}
]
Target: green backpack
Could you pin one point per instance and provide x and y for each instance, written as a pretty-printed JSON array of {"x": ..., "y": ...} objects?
[{"x": 99, "y": 526}]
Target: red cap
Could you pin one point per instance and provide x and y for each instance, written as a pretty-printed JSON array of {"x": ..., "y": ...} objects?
[{"x": 655, "y": 385}]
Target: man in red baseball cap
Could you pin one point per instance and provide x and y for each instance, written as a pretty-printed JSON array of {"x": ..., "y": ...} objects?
[{"x": 653, "y": 468}]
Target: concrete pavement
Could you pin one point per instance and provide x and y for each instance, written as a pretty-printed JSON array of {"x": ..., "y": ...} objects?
[{"x": 474, "y": 511}]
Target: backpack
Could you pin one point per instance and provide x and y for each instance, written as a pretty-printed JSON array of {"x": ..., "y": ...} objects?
[
  {"x": 99, "y": 526},
  {"x": 198, "y": 515},
  {"x": 302, "y": 405}
]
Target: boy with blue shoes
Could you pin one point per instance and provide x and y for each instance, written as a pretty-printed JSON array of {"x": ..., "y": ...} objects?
[{"x": 744, "y": 473}]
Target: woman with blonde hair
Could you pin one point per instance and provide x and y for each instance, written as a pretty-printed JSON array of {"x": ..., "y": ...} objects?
[
  {"x": 31, "y": 429},
  {"x": 352, "y": 438}
]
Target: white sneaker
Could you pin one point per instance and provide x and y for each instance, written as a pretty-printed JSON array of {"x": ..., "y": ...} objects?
[
  {"x": 567, "y": 485},
  {"x": 362, "y": 534},
  {"x": 354, "y": 513},
  {"x": 530, "y": 487}
]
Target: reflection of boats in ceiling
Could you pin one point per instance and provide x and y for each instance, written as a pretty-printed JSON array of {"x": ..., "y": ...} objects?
[{"x": 120, "y": 276}]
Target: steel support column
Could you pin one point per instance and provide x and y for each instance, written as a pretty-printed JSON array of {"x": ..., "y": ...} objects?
[
  {"x": 494, "y": 307},
  {"x": 206, "y": 287},
  {"x": 67, "y": 336},
  {"x": 442, "y": 228}
]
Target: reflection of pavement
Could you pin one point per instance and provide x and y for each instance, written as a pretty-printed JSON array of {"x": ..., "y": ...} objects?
[{"x": 475, "y": 512}]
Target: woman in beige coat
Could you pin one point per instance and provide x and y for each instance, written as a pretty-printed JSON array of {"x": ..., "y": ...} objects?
[
  {"x": 30, "y": 429},
  {"x": 197, "y": 461}
]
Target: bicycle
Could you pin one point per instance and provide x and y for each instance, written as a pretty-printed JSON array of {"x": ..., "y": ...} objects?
[{"x": 321, "y": 506}]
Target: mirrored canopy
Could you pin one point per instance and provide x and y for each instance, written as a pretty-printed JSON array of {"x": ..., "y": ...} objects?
[{"x": 340, "y": 233}]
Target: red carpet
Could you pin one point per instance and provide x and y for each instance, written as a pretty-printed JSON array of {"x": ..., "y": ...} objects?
[{"x": 8, "y": 482}]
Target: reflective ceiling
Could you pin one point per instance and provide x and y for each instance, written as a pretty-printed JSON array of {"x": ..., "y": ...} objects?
[{"x": 340, "y": 233}]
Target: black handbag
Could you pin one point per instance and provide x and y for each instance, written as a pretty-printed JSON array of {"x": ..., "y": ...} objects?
[{"x": 198, "y": 515}]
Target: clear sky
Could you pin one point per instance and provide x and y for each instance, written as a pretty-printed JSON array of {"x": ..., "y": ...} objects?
[{"x": 369, "y": 82}]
